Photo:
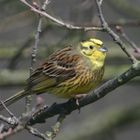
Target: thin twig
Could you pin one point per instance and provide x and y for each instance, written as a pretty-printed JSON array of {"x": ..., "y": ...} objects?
[
  {"x": 9, "y": 112},
  {"x": 100, "y": 2},
  {"x": 126, "y": 23},
  {"x": 7, "y": 120},
  {"x": 12, "y": 120},
  {"x": 130, "y": 42},
  {"x": 10, "y": 132},
  {"x": 5, "y": 134},
  {"x": 60, "y": 22},
  {"x": 115, "y": 37},
  {"x": 35, "y": 132},
  {"x": 56, "y": 127},
  {"x": 34, "y": 53}
]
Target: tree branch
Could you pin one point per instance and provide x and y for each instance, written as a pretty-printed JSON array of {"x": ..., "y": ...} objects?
[
  {"x": 115, "y": 37},
  {"x": 60, "y": 22},
  {"x": 35, "y": 132},
  {"x": 97, "y": 94},
  {"x": 33, "y": 55},
  {"x": 56, "y": 128},
  {"x": 128, "y": 40}
]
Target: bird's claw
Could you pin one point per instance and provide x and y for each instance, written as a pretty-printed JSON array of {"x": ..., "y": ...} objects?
[{"x": 77, "y": 98}]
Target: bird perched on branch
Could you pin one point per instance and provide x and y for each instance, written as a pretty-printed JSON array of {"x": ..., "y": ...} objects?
[{"x": 67, "y": 73}]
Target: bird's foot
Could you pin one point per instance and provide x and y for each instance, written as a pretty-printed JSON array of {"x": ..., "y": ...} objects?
[{"x": 77, "y": 98}]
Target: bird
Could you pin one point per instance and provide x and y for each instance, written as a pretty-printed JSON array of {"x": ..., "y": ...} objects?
[{"x": 67, "y": 73}]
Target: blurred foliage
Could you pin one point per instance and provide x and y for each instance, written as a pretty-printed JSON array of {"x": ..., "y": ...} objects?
[
  {"x": 103, "y": 126},
  {"x": 124, "y": 7},
  {"x": 11, "y": 8}
]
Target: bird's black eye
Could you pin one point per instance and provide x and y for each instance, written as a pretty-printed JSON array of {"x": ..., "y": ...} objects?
[{"x": 91, "y": 47}]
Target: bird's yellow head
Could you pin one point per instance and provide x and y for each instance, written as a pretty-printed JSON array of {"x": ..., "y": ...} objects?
[{"x": 94, "y": 50}]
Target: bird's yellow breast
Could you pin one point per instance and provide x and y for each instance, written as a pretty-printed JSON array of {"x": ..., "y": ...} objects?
[
  {"x": 80, "y": 84},
  {"x": 97, "y": 60}
]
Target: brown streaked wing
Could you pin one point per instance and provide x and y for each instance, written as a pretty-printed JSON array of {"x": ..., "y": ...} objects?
[{"x": 59, "y": 67}]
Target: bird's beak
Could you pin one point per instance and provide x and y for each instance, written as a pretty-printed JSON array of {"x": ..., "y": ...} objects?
[{"x": 103, "y": 49}]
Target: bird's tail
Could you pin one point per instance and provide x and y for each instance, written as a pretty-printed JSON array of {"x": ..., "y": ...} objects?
[{"x": 13, "y": 99}]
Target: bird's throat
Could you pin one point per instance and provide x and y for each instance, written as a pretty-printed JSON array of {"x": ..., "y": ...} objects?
[{"x": 97, "y": 64}]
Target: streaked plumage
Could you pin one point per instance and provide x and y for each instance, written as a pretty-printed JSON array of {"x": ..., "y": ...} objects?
[{"x": 68, "y": 72}]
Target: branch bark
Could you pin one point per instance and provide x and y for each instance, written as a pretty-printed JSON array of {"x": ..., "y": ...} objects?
[
  {"x": 115, "y": 37},
  {"x": 97, "y": 94},
  {"x": 60, "y": 22}
]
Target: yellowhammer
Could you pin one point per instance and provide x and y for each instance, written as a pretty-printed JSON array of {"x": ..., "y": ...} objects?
[{"x": 68, "y": 72}]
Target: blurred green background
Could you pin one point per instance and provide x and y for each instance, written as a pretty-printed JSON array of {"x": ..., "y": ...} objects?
[{"x": 116, "y": 116}]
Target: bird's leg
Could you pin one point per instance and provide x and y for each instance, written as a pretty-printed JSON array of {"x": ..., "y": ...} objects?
[{"x": 77, "y": 98}]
